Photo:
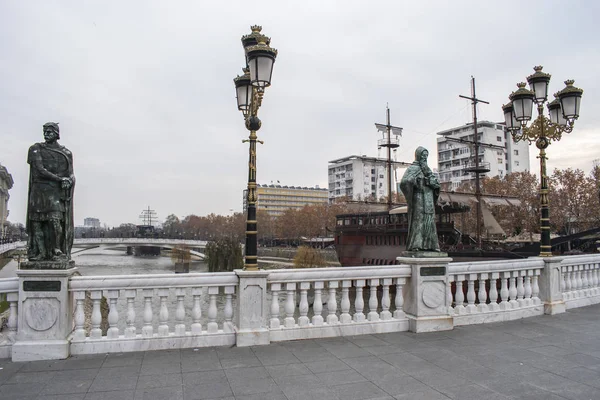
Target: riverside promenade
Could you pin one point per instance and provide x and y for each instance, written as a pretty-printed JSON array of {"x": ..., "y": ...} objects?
[{"x": 545, "y": 357}]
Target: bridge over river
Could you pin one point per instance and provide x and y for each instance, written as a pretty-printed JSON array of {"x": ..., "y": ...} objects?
[{"x": 195, "y": 245}]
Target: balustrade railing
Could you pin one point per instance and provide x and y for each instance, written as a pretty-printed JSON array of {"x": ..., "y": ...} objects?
[
  {"x": 325, "y": 302},
  {"x": 580, "y": 280},
  {"x": 490, "y": 291},
  {"x": 159, "y": 311},
  {"x": 9, "y": 292}
]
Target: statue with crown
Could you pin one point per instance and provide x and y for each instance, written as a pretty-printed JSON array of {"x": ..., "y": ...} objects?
[{"x": 50, "y": 203}]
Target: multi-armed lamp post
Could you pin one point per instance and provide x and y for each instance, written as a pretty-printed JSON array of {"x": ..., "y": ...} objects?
[
  {"x": 563, "y": 110},
  {"x": 250, "y": 88}
]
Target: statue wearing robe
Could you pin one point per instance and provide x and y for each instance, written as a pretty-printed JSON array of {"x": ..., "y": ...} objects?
[{"x": 421, "y": 189}]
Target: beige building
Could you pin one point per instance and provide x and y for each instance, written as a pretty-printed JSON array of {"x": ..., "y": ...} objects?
[
  {"x": 275, "y": 199},
  {"x": 6, "y": 183}
]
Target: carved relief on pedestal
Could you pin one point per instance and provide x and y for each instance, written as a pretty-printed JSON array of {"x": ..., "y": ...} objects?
[
  {"x": 433, "y": 294},
  {"x": 41, "y": 314}
]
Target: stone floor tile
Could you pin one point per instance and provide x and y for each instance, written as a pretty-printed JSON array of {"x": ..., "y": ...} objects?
[
  {"x": 210, "y": 390},
  {"x": 288, "y": 370},
  {"x": 311, "y": 354},
  {"x": 578, "y": 391},
  {"x": 8, "y": 391},
  {"x": 169, "y": 393},
  {"x": 234, "y": 374},
  {"x": 76, "y": 374},
  {"x": 156, "y": 369},
  {"x": 123, "y": 360},
  {"x": 340, "y": 377},
  {"x": 508, "y": 386},
  {"x": 242, "y": 362},
  {"x": 348, "y": 350},
  {"x": 199, "y": 378},
  {"x": 30, "y": 377},
  {"x": 112, "y": 395},
  {"x": 157, "y": 381},
  {"x": 80, "y": 362},
  {"x": 359, "y": 391},
  {"x": 75, "y": 396},
  {"x": 131, "y": 370},
  {"x": 261, "y": 385},
  {"x": 276, "y": 394},
  {"x": 394, "y": 385},
  {"x": 581, "y": 359},
  {"x": 439, "y": 379},
  {"x": 114, "y": 383},
  {"x": 280, "y": 358},
  {"x": 582, "y": 375},
  {"x": 310, "y": 393},
  {"x": 553, "y": 351},
  {"x": 367, "y": 341},
  {"x": 429, "y": 394},
  {"x": 541, "y": 395},
  {"x": 387, "y": 349},
  {"x": 327, "y": 365},
  {"x": 234, "y": 352},
  {"x": 307, "y": 380},
  {"x": 471, "y": 392},
  {"x": 66, "y": 387},
  {"x": 209, "y": 364}
]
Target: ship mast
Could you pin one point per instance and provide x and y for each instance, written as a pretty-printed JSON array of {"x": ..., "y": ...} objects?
[
  {"x": 390, "y": 143},
  {"x": 476, "y": 168}
]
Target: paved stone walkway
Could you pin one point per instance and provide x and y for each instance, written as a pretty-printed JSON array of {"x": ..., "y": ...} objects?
[{"x": 538, "y": 358}]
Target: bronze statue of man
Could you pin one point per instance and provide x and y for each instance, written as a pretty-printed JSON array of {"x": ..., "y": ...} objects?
[
  {"x": 421, "y": 189},
  {"x": 50, "y": 204}
]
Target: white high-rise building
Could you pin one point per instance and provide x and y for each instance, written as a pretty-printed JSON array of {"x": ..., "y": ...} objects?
[
  {"x": 499, "y": 155},
  {"x": 357, "y": 178}
]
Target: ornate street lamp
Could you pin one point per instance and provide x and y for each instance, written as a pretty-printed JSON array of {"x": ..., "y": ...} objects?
[
  {"x": 563, "y": 111},
  {"x": 250, "y": 88}
]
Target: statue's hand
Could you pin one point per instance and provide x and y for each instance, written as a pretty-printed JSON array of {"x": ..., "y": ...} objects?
[{"x": 66, "y": 183}]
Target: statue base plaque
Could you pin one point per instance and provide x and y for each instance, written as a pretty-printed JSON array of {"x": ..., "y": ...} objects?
[
  {"x": 424, "y": 254},
  {"x": 48, "y": 264}
]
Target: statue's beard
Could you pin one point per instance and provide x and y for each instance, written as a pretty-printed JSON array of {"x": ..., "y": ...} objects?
[{"x": 425, "y": 168}]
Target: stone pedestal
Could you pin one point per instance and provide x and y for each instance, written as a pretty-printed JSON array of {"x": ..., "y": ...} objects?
[
  {"x": 251, "y": 315},
  {"x": 45, "y": 313},
  {"x": 425, "y": 298},
  {"x": 550, "y": 293}
]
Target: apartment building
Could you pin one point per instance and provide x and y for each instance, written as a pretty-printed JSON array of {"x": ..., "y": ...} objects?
[
  {"x": 498, "y": 154},
  {"x": 357, "y": 178},
  {"x": 275, "y": 199}
]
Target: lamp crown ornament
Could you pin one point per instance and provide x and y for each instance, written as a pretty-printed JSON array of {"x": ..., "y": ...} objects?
[
  {"x": 570, "y": 88},
  {"x": 255, "y": 37},
  {"x": 522, "y": 90},
  {"x": 538, "y": 73}
]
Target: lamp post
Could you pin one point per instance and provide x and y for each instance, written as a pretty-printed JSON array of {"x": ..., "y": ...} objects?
[
  {"x": 250, "y": 88},
  {"x": 563, "y": 112}
]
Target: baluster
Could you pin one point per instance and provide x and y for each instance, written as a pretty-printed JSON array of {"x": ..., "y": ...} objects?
[
  {"x": 180, "y": 312},
  {"x": 493, "y": 306},
  {"x": 592, "y": 279},
  {"x": 345, "y": 317},
  {"x": 359, "y": 302},
  {"x": 482, "y": 293},
  {"x": 504, "y": 292},
  {"x": 573, "y": 273},
  {"x": 385, "y": 299},
  {"x": 228, "y": 310},
  {"x": 471, "y": 278},
  {"x": 212, "y": 326},
  {"x": 449, "y": 296},
  {"x": 290, "y": 305},
  {"x": 163, "y": 314},
  {"x": 79, "y": 333},
  {"x": 332, "y": 303},
  {"x": 527, "y": 289},
  {"x": 568, "y": 283},
  {"x": 196, "y": 311},
  {"x": 595, "y": 278},
  {"x": 520, "y": 288},
  {"x": 584, "y": 280},
  {"x": 563, "y": 283},
  {"x": 275, "y": 288},
  {"x": 579, "y": 281},
  {"x": 147, "y": 329},
  {"x": 459, "y": 296},
  {"x": 317, "y": 318},
  {"x": 113, "y": 314},
  {"x": 13, "y": 299},
  {"x": 373, "y": 303},
  {"x": 303, "y": 309},
  {"x": 512, "y": 290},
  {"x": 130, "y": 330},
  {"x": 399, "y": 299},
  {"x": 535, "y": 287},
  {"x": 96, "y": 319}
]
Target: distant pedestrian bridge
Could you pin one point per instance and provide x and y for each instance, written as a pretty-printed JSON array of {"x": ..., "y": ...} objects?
[{"x": 196, "y": 247}]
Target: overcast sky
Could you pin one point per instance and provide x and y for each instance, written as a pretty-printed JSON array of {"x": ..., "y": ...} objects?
[{"x": 144, "y": 95}]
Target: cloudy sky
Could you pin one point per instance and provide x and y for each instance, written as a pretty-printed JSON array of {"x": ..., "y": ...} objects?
[{"x": 144, "y": 95}]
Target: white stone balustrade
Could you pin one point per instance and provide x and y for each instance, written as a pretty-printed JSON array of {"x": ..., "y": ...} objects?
[
  {"x": 340, "y": 294},
  {"x": 580, "y": 280},
  {"x": 517, "y": 297},
  {"x": 9, "y": 291},
  {"x": 153, "y": 312}
]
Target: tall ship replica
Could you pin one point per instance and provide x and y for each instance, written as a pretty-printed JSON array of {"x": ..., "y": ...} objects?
[{"x": 376, "y": 233}]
